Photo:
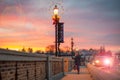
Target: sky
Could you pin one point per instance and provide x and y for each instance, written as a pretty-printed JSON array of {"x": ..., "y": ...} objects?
[{"x": 91, "y": 23}]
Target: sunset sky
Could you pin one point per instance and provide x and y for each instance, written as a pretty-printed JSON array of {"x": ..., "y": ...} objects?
[{"x": 28, "y": 23}]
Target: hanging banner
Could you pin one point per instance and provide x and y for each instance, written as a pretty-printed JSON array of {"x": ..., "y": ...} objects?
[{"x": 61, "y": 32}]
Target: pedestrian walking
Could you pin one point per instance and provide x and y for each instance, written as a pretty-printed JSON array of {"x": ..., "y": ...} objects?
[{"x": 78, "y": 62}]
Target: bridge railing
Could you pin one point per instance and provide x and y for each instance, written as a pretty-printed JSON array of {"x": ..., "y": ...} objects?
[
  {"x": 101, "y": 74},
  {"x": 22, "y": 66}
]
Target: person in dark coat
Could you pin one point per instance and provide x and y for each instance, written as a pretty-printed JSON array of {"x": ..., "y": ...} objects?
[{"x": 78, "y": 61}]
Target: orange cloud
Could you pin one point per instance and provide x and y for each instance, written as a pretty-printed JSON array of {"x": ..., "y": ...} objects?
[{"x": 28, "y": 33}]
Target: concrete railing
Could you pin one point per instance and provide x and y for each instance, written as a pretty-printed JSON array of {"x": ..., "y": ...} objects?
[
  {"x": 101, "y": 74},
  {"x": 22, "y": 66}
]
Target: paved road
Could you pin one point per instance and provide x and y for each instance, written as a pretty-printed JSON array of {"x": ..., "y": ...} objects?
[{"x": 84, "y": 75}]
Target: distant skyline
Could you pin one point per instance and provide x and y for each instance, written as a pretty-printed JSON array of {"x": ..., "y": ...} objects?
[{"x": 28, "y": 23}]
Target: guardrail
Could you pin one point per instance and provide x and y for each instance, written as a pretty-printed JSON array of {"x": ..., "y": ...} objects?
[
  {"x": 16, "y": 65},
  {"x": 99, "y": 74}
]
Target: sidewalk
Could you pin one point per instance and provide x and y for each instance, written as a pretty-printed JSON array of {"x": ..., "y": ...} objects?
[{"x": 84, "y": 75}]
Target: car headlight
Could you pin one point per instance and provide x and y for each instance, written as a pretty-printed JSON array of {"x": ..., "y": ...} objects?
[
  {"x": 97, "y": 61},
  {"x": 107, "y": 61}
]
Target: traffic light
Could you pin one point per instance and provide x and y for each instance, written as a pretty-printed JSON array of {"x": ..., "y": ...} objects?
[{"x": 61, "y": 32}]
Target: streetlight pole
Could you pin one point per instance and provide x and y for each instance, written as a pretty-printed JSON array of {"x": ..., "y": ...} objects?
[
  {"x": 56, "y": 38},
  {"x": 56, "y": 21},
  {"x": 72, "y": 44}
]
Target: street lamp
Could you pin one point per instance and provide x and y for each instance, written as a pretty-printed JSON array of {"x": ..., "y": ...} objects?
[
  {"x": 55, "y": 22},
  {"x": 55, "y": 10},
  {"x": 55, "y": 17}
]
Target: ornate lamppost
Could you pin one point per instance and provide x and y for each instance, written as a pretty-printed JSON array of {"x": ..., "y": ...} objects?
[{"x": 56, "y": 18}]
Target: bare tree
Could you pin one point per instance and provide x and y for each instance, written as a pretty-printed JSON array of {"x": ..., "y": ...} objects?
[
  {"x": 50, "y": 48},
  {"x": 23, "y": 50},
  {"x": 30, "y": 50}
]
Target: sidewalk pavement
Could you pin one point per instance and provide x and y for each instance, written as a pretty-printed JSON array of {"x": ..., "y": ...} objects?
[{"x": 84, "y": 75}]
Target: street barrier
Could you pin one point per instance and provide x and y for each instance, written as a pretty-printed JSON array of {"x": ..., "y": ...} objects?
[{"x": 101, "y": 74}]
